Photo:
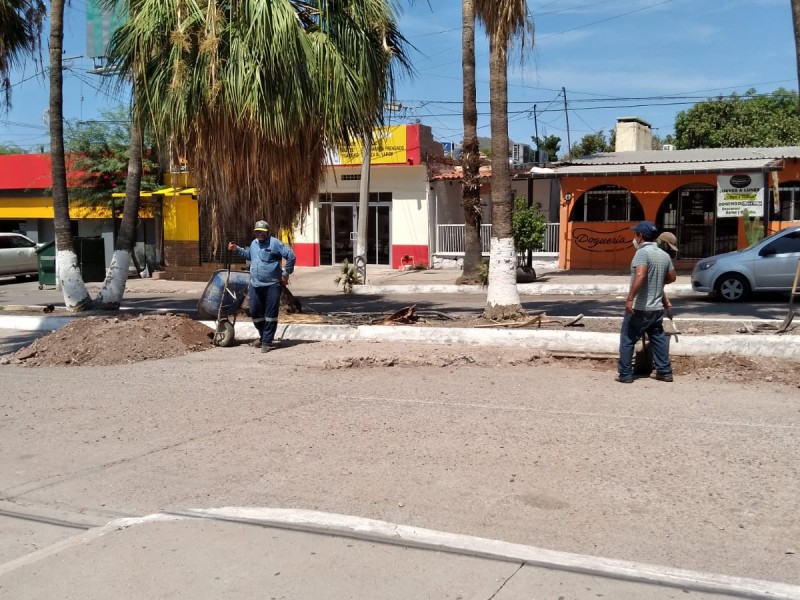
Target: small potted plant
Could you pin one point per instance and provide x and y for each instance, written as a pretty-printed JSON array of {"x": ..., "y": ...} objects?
[
  {"x": 348, "y": 277},
  {"x": 529, "y": 226}
]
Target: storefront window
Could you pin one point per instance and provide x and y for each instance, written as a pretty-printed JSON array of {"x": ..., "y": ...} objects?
[
  {"x": 788, "y": 208},
  {"x": 607, "y": 203}
]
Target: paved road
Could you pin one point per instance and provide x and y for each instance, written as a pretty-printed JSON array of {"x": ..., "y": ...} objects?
[
  {"x": 700, "y": 474},
  {"x": 772, "y": 306}
]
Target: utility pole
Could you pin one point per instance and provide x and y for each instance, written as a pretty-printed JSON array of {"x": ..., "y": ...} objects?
[
  {"x": 363, "y": 210},
  {"x": 536, "y": 132},
  {"x": 566, "y": 114}
]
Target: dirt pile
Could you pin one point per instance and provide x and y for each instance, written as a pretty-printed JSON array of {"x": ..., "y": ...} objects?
[{"x": 120, "y": 339}]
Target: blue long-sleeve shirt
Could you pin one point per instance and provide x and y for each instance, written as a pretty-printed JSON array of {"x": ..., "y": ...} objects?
[{"x": 265, "y": 261}]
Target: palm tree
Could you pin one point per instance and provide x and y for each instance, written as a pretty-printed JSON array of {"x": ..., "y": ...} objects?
[
  {"x": 505, "y": 22},
  {"x": 20, "y": 35},
  {"x": 470, "y": 151},
  {"x": 253, "y": 93},
  {"x": 75, "y": 295},
  {"x": 110, "y": 294},
  {"x": 796, "y": 23}
]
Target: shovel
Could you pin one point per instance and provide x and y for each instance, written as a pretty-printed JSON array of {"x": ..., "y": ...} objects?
[{"x": 788, "y": 320}]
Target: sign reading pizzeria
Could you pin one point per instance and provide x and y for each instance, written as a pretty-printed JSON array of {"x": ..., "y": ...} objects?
[{"x": 737, "y": 193}]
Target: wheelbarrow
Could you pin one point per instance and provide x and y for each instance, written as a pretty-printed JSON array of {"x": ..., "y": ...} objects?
[{"x": 222, "y": 300}]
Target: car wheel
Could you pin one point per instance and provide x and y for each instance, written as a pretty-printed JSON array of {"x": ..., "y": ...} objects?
[{"x": 732, "y": 287}]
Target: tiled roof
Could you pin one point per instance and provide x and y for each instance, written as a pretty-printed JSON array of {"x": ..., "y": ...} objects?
[{"x": 452, "y": 173}]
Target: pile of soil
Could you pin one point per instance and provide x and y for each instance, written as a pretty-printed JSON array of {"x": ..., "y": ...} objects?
[{"x": 114, "y": 340}]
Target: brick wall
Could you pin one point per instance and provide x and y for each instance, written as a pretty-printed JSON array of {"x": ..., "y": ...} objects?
[{"x": 181, "y": 254}]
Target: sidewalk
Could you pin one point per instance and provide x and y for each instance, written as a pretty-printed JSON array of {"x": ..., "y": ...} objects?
[
  {"x": 383, "y": 280},
  {"x": 243, "y": 553}
]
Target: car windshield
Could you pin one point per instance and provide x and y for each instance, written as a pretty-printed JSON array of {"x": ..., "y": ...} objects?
[{"x": 757, "y": 242}]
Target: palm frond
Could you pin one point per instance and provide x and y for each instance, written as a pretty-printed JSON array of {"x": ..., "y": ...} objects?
[{"x": 252, "y": 92}]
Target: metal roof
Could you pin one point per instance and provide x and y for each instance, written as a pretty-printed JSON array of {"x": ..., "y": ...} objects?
[
  {"x": 686, "y": 156},
  {"x": 664, "y": 168}
]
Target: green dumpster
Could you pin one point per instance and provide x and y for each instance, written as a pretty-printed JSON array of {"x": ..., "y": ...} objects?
[{"x": 47, "y": 264}]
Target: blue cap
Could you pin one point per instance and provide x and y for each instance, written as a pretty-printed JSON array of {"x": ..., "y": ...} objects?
[{"x": 645, "y": 228}]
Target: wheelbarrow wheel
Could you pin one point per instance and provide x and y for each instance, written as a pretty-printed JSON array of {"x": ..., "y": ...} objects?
[{"x": 224, "y": 334}]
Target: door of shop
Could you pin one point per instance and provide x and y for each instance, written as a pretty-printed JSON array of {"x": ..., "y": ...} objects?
[
  {"x": 691, "y": 213},
  {"x": 338, "y": 230}
]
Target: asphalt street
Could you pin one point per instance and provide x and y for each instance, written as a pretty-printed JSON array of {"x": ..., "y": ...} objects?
[{"x": 768, "y": 306}]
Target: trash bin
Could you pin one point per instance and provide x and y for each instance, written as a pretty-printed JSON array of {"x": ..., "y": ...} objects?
[
  {"x": 91, "y": 252},
  {"x": 47, "y": 264}
]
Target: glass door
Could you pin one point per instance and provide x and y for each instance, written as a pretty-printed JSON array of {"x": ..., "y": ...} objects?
[
  {"x": 345, "y": 226},
  {"x": 338, "y": 230},
  {"x": 378, "y": 236}
]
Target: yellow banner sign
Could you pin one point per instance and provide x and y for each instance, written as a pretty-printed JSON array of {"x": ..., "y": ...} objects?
[{"x": 389, "y": 146}]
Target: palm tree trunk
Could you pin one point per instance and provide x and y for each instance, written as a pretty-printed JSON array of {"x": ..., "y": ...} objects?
[
  {"x": 796, "y": 23},
  {"x": 502, "y": 299},
  {"x": 110, "y": 295},
  {"x": 470, "y": 157},
  {"x": 75, "y": 295}
]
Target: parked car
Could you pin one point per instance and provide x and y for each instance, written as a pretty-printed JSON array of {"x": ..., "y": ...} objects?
[
  {"x": 18, "y": 255},
  {"x": 768, "y": 265}
]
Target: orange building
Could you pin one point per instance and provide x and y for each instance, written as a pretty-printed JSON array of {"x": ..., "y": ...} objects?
[{"x": 699, "y": 195}]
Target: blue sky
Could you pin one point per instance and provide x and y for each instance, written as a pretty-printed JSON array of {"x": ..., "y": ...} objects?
[{"x": 646, "y": 58}]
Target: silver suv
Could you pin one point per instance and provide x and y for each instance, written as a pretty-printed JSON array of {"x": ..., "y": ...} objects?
[
  {"x": 768, "y": 265},
  {"x": 18, "y": 255}
]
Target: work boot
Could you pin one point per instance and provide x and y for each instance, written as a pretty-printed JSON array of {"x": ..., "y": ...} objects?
[
  {"x": 256, "y": 343},
  {"x": 265, "y": 349},
  {"x": 660, "y": 377}
]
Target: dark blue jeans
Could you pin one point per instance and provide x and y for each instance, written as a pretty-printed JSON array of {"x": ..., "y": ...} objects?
[
  {"x": 264, "y": 304},
  {"x": 633, "y": 326}
]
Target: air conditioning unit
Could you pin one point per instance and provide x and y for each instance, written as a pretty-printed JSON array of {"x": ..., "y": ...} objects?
[{"x": 521, "y": 153}]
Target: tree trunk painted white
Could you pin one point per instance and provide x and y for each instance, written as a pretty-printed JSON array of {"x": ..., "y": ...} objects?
[
  {"x": 72, "y": 287},
  {"x": 502, "y": 296},
  {"x": 110, "y": 295}
]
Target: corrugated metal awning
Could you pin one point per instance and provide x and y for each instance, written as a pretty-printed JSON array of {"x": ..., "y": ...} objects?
[{"x": 666, "y": 168}]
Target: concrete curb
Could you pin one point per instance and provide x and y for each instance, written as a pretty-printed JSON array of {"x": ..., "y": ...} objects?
[
  {"x": 350, "y": 527},
  {"x": 549, "y": 340},
  {"x": 428, "y": 539},
  {"x": 524, "y": 289},
  {"x": 770, "y": 345}
]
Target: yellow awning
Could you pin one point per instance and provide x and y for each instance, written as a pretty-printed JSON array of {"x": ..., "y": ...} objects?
[
  {"x": 122, "y": 194},
  {"x": 170, "y": 191}
]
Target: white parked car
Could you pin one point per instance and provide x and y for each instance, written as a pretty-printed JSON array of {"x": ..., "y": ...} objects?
[
  {"x": 18, "y": 255},
  {"x": 768, "y": 265}
]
